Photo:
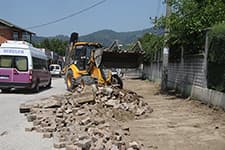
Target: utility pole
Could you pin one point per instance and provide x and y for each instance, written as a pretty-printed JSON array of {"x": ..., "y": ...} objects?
[
  {"x": 206, "y": 55},
  {"x": 164, "y": 78}
]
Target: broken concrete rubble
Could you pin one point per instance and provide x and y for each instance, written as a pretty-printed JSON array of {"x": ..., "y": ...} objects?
[{"x": 75, "y": 123}]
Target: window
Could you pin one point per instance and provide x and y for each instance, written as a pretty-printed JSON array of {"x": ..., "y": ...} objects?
[
  {"x": 21, "y": 63},
  {"x": 26, "y": 36},
  {"x": 39, "y": 63},
  {"x": 15, "y": 35},
  {"x": 88, "y": 53},
  {"x": 6, "y": 61},
  {"x": 18, "y": 62},
  {"x": 80, "y": 51},
  {"x": 51, "y": 68}
]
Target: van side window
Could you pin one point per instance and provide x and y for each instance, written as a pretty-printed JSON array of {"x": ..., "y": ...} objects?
[
  {"x": 21, "y": 63},
  {"x": 39, "y": 63},
  {"x": 35, "y": 63}
]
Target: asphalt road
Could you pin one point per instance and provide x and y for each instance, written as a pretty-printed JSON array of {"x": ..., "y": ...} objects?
[{"x": 12, "y": 123}]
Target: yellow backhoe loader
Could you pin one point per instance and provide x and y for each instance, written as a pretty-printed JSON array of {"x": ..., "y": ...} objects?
[{"x": 86, "y": 63}]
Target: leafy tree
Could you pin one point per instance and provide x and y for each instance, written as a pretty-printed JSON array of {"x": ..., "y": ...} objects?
[
  {"x": 53, "y": 44},
  {"x": 151, "y": 44},
  {"x": 189, "y": 19}
]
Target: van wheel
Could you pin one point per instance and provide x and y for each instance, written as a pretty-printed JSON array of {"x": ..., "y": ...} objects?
[
  {"x": 117, "y": 80},
  {"x": 70, "y": 84},
  {"x": 36, "y": 88},
  {"x": 50, "y": 83},
  {"x": 6, "y": 90}
]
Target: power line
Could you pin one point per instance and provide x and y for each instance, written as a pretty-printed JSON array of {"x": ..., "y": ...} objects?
[
  {"x": 68, "y": 16},
  {"x": 158, "y": 8}
]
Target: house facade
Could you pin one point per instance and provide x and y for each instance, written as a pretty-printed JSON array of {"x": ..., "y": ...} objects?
[{"x": 9, "y": 31}]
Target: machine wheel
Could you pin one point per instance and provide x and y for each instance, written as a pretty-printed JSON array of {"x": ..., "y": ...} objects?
[
  {"x": 117, "y": 80},
  {"x": 70, "y": 81}
]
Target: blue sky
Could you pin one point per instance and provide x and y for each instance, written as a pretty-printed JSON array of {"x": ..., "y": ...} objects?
[{"x": 118, "y": 15}]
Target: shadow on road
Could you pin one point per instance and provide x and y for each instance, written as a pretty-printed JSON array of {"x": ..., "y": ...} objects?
[{"x": 26, "y": 91}]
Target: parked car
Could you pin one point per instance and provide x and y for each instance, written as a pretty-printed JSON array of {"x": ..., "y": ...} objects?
[{"x": 55, "y": 70}]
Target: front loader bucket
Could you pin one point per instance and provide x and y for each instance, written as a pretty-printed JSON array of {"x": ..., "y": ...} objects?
[
  {"x": 121, "y": 59},
  {"x": 114, "y": 57}
]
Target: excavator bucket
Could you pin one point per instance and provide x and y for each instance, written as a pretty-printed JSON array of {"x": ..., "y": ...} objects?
[{"x": 114, "y": 57}]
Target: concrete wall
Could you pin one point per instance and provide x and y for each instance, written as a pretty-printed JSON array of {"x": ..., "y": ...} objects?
[
  {"x": 183, "y": 75},
  {"x": 132, "y": 73},
  {"x": 208, "y": 96},
  {"x": 153, "y": 71},
  {"x": 190, "y": 78}
]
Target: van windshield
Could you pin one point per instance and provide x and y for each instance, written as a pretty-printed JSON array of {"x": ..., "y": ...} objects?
[{"x": 18, "y": 62}]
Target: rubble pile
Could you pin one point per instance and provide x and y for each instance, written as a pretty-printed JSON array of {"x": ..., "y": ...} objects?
[
  {"x": 92, "y": 124},
  {"x": 125, "y": 100}
]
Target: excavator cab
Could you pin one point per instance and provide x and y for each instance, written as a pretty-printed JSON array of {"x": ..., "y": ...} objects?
[{"x": 82, "y": 56}]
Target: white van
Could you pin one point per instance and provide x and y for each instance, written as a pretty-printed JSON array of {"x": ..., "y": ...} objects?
[
  {"x": 23, "y": 66},
  {"x": 55, "y": 70}
]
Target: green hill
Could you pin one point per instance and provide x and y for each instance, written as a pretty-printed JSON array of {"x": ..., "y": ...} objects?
[{"x": 106, "y": 37}]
